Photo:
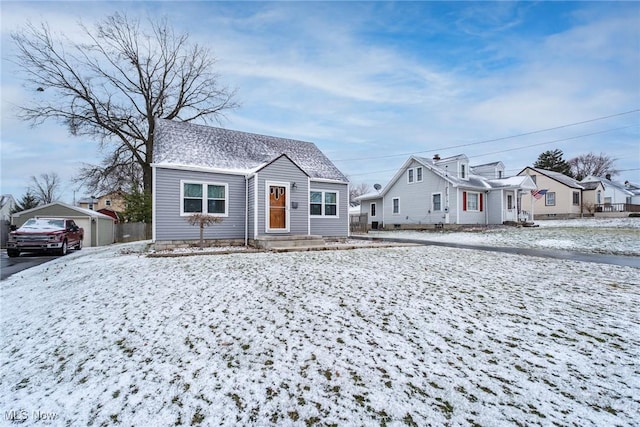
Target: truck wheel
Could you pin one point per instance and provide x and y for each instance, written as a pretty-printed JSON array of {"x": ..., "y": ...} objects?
[
  {"x": 63, "y": 250},
  {"x": 12, "y": 253}
]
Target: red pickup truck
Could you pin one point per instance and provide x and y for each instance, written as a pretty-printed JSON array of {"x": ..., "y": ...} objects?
[{"x": 45, "y": 235}]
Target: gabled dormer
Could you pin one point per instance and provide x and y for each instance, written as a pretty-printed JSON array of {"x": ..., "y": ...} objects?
[
  {"x": 493, "y": 170},
  {"x": 455, "y": 167}
]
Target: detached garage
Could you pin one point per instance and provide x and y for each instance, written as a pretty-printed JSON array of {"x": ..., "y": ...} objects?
[{"x": 98, "y": 228}]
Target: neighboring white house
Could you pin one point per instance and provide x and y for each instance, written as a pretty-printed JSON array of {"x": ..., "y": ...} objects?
[
  {"x": 448, "y": 191},
  {"x": 615, "y": 192}
]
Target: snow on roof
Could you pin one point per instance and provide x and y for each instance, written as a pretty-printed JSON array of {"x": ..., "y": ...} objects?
[
  {"x": 188, "y": 144},
  {"x": 562, "y": 178},
  {"x": 523, "y": 181},
  {"x": 78, "y": 209},
  {"x": 620, "y": 186}
]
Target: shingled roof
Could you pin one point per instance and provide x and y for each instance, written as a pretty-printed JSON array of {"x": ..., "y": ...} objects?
[{"x": 187, "y": 144}]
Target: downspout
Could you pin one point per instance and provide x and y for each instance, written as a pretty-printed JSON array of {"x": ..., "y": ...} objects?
[
  {"x": 246, "y": 211},
  {"x": 486, "y": 208}
]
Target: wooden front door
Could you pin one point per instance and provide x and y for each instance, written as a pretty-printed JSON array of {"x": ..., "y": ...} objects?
[{"x": 277, "y": 207}]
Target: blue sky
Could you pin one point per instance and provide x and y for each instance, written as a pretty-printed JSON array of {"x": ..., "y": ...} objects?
[{"x": 372, "y": 82}]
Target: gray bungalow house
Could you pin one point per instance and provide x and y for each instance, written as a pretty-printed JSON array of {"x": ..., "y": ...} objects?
[
  {"x": 448, "y": 191},
  {"x": 259, "y": 185}
]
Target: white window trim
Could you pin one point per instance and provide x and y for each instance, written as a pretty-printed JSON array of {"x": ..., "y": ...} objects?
[
  {"x": 204, "y": 197},
  {"x": 464, "y": 171},
  {"x": 433, "y": 208},
  {"x": 287, "y": 210},
  {"x": 373, "y": 208},
  {"x": 413, "y": 173},
  {"x": 317, "y": 190},
  {"x": 392, "y": 203},
  {"x": 546, "y": 198},
  {"x": 478, "y": 200}
]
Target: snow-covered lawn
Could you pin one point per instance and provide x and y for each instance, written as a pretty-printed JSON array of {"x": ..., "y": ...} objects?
[
  {"x": 377, "y": 336},
  {"x": 619, "y": 236}
]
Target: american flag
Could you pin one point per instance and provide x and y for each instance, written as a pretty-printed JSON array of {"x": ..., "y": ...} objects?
[{"x": 538, "y": 193}]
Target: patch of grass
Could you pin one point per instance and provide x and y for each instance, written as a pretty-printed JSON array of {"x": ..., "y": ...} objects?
[
  {"x": 198, "y": 417},
  {"x": 311, "y": 421},
  {"x": 116, "y": 394},
  {"x": 408, "y": 420},
  {"x": 237, "y": 400},
  {"x": 293, "y": 415},
  {"x": 114, "y": 418}
]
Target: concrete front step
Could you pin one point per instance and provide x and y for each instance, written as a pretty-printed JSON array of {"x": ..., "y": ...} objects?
[{"x": 288, "y": 242}]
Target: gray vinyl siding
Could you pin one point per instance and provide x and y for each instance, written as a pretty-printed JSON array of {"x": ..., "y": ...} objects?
[
  {"x": 105, "y": 232},
  {"x": 334, "y": 226},
  {"x": 473, "y": 217},
  {"x": 416, "y": 199},
  {"x": 171, "y": 226},
  {"x": 365, "y": 208},
  {"x": 251, "y": 208},
  {"x": 494, "y": 206},
  {"x": 283, "y": 170}
]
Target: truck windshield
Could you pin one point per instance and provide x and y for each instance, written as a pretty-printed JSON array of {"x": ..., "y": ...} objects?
[{"x": 44, "y": 224}]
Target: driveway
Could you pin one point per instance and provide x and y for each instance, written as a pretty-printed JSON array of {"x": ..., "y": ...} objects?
[
  {"x": 625, "y": 261},
  {"x": 10, "y": 266}
]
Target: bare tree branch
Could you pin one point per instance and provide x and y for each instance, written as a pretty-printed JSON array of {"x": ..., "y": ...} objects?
[
  {"x": 592, "y": 164},
  {"x": 45, "y": 188},
  {"x": 112, "y": 86}
]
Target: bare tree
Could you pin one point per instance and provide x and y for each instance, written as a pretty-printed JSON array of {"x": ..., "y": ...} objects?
[
  {"x": 592, "y": 164},
  {"x": 356, "y": 191},
  {"x": 45, "y": 188},
  {"x": 112, "y": 85},
  {"x": 202, "y": 221}
]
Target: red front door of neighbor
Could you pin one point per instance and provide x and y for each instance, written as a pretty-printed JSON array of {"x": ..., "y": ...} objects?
[{"x": 277, "y": 207}]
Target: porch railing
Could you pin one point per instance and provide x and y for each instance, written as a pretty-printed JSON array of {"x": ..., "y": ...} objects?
[{"x": 617, "y": 207}]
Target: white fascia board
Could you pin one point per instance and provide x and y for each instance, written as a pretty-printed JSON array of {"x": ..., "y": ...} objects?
[
  {"x": 240, "y": 172},
  {"x": 328, "y": 181}
]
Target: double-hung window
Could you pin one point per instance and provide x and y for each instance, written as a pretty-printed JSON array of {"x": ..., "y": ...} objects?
[
  {"x": 396, "y": 205},
  {"x": 436, "y": 202},
  {"x": 323, "y": 203},
  {"x": 576, "y": 198},
  {"x": 410, "y": 176},
  {"x": 419, "y": 174},
  {"x": 204, "y": 197},
  {"x": 550, "y": 199},
  {"x": 472, "y": 201},
  {"x": 373, "y": 209}
]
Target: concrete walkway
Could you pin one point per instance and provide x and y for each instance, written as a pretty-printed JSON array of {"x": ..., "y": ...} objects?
[{"x": 626, "y": 261}]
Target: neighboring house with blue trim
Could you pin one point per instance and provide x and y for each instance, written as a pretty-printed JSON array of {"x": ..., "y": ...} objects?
[
  {"x": 259, "y": 185},
  {"x": 447, "y": 191}
]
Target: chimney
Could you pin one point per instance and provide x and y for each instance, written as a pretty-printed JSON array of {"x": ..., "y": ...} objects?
[{"x": 436, "y": 157}]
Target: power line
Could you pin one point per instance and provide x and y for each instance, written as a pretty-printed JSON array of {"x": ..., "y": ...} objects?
[
  {"x": 554, "y": 141},
  {"x": 495, "y": 139},
  {"x": 522, "y": 148}
]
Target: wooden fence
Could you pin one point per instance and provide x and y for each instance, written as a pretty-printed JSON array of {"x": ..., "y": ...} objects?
[
  {"x": 132, "y": 232},
  {"x": 358, "y": 223}
]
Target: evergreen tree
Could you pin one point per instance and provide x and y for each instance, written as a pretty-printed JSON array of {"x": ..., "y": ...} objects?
[
  {"x": 28, "y": 201},
  {"x": 553, "y": 161},
  {"x": 139, "y": 206}
]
